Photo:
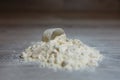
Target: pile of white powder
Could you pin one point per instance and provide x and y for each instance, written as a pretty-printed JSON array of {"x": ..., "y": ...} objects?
[{"x": 63, "y": 53}]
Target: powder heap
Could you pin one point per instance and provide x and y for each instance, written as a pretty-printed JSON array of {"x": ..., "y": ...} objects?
[{"x": 63, "y": 53}]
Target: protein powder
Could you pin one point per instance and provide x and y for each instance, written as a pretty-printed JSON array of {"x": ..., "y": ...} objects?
[{"x": 59, "y": 52}]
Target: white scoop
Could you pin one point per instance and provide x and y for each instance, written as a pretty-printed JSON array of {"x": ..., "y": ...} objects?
[{"x": 50, "y": 34}]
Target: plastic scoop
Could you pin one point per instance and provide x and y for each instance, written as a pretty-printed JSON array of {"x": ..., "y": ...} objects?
[{"x": 50, "y": 34}]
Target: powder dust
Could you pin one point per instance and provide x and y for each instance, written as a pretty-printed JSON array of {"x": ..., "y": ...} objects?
[{"x": 62, "y": 53}]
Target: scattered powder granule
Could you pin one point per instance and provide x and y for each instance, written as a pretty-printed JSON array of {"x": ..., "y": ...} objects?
[{"x": 59, "y": 52}]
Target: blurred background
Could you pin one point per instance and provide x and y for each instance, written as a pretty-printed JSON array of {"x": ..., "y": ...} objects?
[{"x": 58, "y": 11}]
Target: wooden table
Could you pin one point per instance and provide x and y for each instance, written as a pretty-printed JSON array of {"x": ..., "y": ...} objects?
[{"x": 14, "y": 38}]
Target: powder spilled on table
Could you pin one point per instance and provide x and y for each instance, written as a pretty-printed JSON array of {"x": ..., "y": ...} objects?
[{"x": 59, "y": 52}]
